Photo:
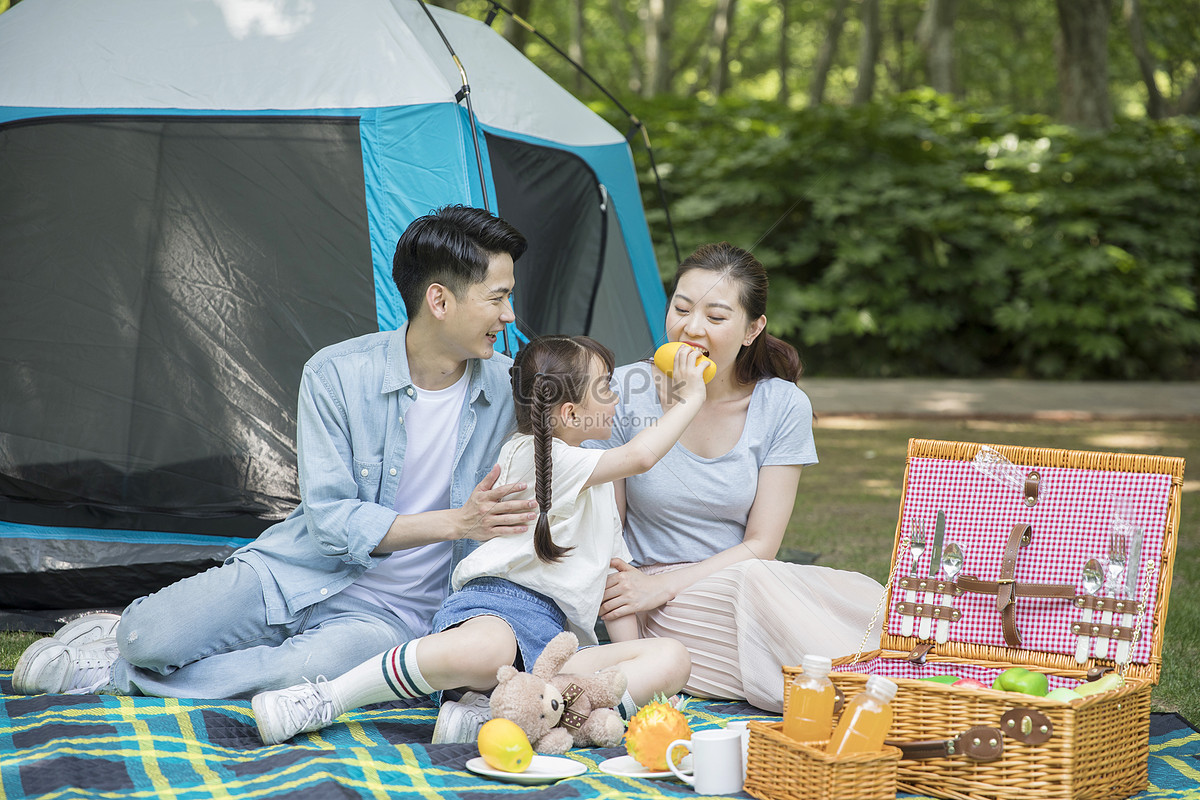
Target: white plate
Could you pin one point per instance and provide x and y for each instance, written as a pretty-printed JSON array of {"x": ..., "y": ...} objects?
[
  {"x": 543, "y": 769},
  {"x": 628, "y": 767}
]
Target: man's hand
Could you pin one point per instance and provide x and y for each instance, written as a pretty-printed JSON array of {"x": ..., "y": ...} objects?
[{"x": 486, "y": 514}]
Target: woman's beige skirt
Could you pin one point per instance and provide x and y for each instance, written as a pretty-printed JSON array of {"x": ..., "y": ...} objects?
[{"x": 743, "y": 624}]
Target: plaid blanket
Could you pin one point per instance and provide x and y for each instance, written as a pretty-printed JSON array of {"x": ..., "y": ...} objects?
[{"x": 55, "y": 746}]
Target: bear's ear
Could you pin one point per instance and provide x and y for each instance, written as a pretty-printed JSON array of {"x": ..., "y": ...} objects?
[
  {"x": 506, "y": 673},
  {"x": 556, "y": 653}
]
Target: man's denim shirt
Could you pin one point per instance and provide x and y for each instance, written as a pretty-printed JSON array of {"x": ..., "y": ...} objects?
[{"x": 350, "y": 443}]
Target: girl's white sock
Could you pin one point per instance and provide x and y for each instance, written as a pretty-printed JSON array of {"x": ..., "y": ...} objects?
[{"x": 395, "y": 674}]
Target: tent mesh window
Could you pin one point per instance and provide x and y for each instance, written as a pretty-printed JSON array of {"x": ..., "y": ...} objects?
[
  {"x": 165, "y": 280},
  {"x": 576, "y": 277}
]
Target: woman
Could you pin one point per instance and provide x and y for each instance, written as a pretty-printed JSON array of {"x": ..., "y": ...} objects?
[{"x": 704, "y": 525}]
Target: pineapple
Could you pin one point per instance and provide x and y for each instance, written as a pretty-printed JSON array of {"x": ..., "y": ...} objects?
[{"x": 651, "y": 729}]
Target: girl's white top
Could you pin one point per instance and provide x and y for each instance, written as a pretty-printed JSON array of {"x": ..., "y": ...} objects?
[{"x": 585, "y": 519}]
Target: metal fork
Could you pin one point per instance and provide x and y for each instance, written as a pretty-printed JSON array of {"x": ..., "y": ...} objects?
[
  {"x": 916, "y": 546},
  {"x": 1114, "y": 584}
]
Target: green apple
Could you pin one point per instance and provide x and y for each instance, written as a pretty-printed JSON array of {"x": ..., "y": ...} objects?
[
  {"x": 1064, "y": 694},
  {"x": 1003, "y": 679},
  {"x": 1019, "y": 679}
]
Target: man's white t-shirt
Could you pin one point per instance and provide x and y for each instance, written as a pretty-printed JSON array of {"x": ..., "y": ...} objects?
[
  {"x": 411, "y": 583},
  {"x": 586, "y": 519}
]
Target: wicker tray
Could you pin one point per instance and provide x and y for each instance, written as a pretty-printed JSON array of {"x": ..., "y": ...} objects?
[
  {"x": 1092, "y": 749},
  {"x": 780, "y": 768}
]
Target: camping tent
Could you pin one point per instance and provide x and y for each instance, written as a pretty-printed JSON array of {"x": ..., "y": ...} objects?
[{"x": 197, "y": 195}]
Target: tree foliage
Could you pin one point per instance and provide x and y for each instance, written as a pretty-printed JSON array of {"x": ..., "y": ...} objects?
[
  {"x": 915, "y": 236},
  {"x": 908, "y": 232}
]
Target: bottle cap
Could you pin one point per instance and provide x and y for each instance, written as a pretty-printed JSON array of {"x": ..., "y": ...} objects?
[
  {"x": 881, "y": 687},
  {"x": 816, "y": 666}
]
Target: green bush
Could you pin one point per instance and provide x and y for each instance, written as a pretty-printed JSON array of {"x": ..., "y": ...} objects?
[{"x": 917, "y": 237}]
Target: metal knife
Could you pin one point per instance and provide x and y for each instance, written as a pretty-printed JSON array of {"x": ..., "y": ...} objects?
[
  {"x": 925, "y": 626},
  {"x": 939, "y": 532}
]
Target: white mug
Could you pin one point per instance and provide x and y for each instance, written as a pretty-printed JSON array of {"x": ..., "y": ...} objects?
[
  {"x": 716, "y": 761},
  {"x": 742, "y": 726}
]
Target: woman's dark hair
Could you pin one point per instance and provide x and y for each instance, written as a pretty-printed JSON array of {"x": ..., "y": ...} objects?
[
  {"x": 547, "y": 372},
  {"x": 767, "y": 356},
  {"x": 452, "y": 246}
]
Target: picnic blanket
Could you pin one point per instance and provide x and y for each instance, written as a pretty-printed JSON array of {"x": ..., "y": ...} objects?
[{"x": 56, "y": 746}]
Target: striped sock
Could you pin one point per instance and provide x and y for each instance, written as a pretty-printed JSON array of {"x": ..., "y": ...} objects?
[
  {"x": 364, "y": 684},
  {"x": 403, "y": 674}
]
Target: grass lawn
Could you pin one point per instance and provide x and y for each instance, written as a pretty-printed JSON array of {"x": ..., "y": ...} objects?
[{"x": 848, "y": 505}]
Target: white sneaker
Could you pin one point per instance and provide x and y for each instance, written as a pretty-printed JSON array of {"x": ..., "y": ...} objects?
[
  {"x": 88, "y": 629},
  {"x": 282, "y": 714},
  {"x": 50, "y": 667},
  {"x": 458, "y": 722}
]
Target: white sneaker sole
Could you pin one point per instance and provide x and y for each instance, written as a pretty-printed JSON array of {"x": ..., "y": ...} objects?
[{"x": 87, "y": 629}]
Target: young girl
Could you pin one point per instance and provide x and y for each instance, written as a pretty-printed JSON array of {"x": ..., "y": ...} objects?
[{"x": 513, "y": 594}]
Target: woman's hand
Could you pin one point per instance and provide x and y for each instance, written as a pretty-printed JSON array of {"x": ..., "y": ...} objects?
[{"x": 631, "y": 591}]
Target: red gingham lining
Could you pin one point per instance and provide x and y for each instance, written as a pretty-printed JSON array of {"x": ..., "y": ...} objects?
[
  {"x": 903, "y": 668},
  {"x": 1070, "y": 523}
]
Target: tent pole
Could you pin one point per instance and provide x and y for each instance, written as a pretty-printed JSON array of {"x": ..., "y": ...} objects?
[
  {"x": 637, "y": 123},
  {"x": 464, "y": 94}
]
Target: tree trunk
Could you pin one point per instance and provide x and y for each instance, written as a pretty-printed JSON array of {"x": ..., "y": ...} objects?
[
  {"x": 516, "y": 34},
  {"x": 722, "y": 28},
  {"x": 575, "y": 49},
  {"x": 635, "y": 59},
  {"x": 1155, "y": 108},
  {"x": 658, "y": 58},
  {"x": 935, "y": 35},
  {"x": 825, "y": 56},
  {"x": 784, "y": 57},
  {"x": 1083, "y": 63},
  {"x": 868, "y": 52},
  {"x": 1189, "y": 101}
]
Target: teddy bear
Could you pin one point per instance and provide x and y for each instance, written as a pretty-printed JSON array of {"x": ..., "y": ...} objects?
[{"x": 557, "y": 711}]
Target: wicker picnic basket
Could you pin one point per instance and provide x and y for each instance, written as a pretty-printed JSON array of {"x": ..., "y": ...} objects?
[
  {"x": 1027, "y": 520},
  {"x": 780, "y": 768}
]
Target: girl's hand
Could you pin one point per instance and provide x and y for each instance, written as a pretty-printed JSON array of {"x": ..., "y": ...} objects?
[
  {"x": 631, "y": 591},
  {"x": 486, "y": 514},
  {"x": 687, "y": 376}
]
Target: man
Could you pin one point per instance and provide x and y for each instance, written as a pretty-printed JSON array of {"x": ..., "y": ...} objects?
[{"x": 393, "y": 431}]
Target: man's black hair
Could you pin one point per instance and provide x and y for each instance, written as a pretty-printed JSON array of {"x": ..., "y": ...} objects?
[{"x": 451, "y": 246}]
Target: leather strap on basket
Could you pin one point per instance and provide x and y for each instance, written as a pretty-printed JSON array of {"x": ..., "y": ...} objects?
[
  {"x": 1007, "y": 589},
  {"x": 978, "y": 743}
]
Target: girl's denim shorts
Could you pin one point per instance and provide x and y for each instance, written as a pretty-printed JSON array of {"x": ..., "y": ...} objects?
[{"x": 533, "y": 617}]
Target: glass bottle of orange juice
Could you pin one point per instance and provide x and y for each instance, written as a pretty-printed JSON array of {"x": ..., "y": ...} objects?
[
  {"x": 865, "y": 720},
  {"x": 810, "y": 701}
]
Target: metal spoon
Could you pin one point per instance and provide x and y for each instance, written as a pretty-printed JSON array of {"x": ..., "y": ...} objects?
[
  {"x": 952, "y": 561},
  {"x": 1093, "y": 576}
]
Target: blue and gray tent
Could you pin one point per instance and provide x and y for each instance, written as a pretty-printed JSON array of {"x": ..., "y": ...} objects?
[{"x": 197, "y": 195}]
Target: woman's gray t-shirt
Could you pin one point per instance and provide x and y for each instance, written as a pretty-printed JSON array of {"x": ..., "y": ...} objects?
[{"x": 687, "y": 508}]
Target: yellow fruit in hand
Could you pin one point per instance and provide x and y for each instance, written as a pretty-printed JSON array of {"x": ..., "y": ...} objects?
[
  {"x": 664, "y": 359},
  {"x": 651, "y": 729},
  {"x": 504, "y": 746}
]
